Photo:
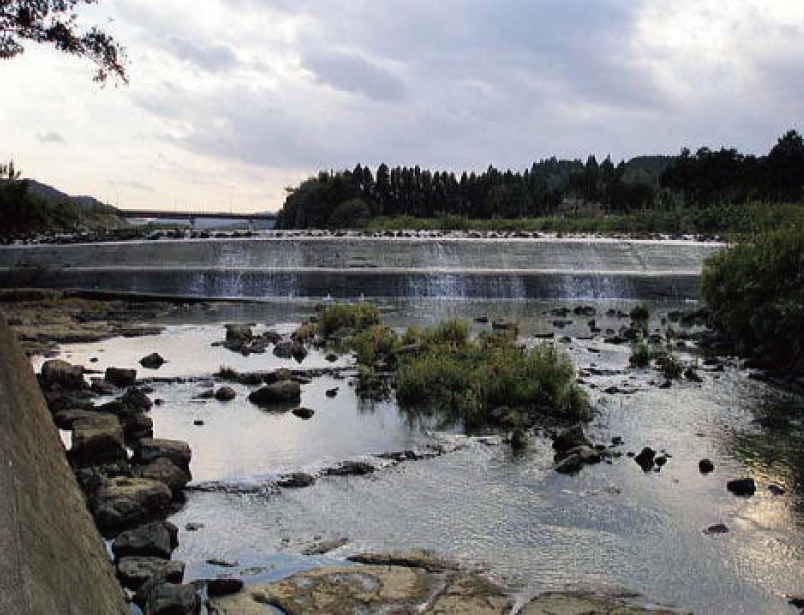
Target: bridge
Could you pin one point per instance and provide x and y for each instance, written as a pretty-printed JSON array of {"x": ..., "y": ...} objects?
[{"x": 266, "y": 220}]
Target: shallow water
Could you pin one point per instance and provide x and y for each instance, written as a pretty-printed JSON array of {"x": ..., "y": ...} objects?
[{"x": 611, "y": 526}]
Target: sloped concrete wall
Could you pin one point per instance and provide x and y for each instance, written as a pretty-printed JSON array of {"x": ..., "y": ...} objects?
[{"x": 52, "y": 559}]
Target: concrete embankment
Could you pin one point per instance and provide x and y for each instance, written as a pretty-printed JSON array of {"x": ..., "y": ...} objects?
[
  {"x": 375, "y": 267},
  {"x": 53, "y": 559}
]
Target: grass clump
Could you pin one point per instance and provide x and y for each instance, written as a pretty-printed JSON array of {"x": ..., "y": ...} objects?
[
  {"x": 641, "y": 312},
  {"x": 756, "y": 293},
  {"x": 356, "y": 316},
  {"x": 641, "y": 355},
  {"x": 670, "y": 365},
  {"x": 463, "y": 380}
]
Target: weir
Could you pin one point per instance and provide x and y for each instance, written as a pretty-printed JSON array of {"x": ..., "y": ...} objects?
[{"x": 351, "y": 267}]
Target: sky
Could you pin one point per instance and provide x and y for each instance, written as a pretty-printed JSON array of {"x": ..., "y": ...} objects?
[{"x": 232, "y": 101}]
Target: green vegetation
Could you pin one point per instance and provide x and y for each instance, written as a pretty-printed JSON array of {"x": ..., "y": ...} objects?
[
  {"x": 641, "y": 355},
  {"x": 670, "y": 365},
  {"x": 706, "y": 192},
  {"x": 23, "y": 213},
  {"x": 756, "y": 293},
  {"x": 357, "y": 316},
  {"x": 641, "y": 312}
]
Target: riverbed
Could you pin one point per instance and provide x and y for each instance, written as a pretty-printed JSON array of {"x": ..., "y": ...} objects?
[{"x": 612, "y": 526}]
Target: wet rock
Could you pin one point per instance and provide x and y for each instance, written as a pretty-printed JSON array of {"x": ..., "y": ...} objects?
[
  {"x": 326, "y": 546},
  {"x": 719, "y": 528},
  {"x": 371, "y": 589},
  {"x": 221, "y": 563},
  {"x": 331, "y": 357},
  {"x": 572, "y": 461},
  {"x": 705, "y": 466},
  {"x": 152, "y": 361},
  {"x": 207, "y": 394},
  {"x": 121, "y": 377},
  {"x": 198, "y": 422},
  {"x": 169, "y": 599},
  {"x": 776, "y": 490},
  {"x": 744, "y": 487},
  {"x": 569, "y": 438},
  {"x": 332, "y": 392},
  {"x": 151, "y": 449},
  {"x": 580, "y": 603},
  {"x": 290, "y": 350},
  {"x": 138, "y": 427},
  {"x": 193, "y": 527},
  {"x": 660, "y": 461},
  {"x": 646, "y": 458},
  {"x": 415, "y": 558},
  {"x": 225, "y": 586},
  {"x": 123, "y": 502},
  {"x": 98, "y": 439},
  {"x": 691, "y": 375},
  {"x": 168, "y": 473},
  {"x": 137, "y": 399},
  {"x": 158, "y": 540},
  {"x": 295, "y": 480},
  {"x": 134, "y": 572},
  {"x": 63, "y": 374},
  {"x": 65, "y": 419},
  {"x": 351, "y": 468},
  {"x": 284, "y": 391},
  {"x": 101, "y": 387},
  {"x": 239, "y": 333},
  {"x": 225, "y": 394},
  {"x": 304, "y": 413}
]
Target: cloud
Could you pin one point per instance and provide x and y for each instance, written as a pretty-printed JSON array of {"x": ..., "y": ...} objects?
[
  {"x": 212, "y": 58},
  {"x": 352, "y": 72},
  {"x": 49, "y": 137}
]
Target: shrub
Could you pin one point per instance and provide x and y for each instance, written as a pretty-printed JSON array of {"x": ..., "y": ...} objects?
[
  {"x": 641, "y": 312},
  {"x": 357, "y": 316},
  {"x": 641, "y": 355},
  {"x": 374, "y": 343},
  {"x": 670, "y": 366},
  {"x": 756, "y": 292}
]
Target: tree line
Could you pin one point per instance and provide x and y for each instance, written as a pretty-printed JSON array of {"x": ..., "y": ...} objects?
[{"x": 549, "y": 188}]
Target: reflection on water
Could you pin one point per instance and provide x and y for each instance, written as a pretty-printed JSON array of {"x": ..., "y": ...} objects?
[{"x": 612, "y": 525}]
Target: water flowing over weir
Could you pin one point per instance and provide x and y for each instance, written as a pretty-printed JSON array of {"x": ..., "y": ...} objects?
[{"x": 349, "y": 267}]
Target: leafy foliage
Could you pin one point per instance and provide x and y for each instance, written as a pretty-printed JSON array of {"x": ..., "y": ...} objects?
[
  {"x": 756, "y": 292},
  {"x": 55, "y": 22},
  {"x": 641, "y": 355}
]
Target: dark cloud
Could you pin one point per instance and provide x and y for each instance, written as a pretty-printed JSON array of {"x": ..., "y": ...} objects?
[{"x": 353, "y": 73}]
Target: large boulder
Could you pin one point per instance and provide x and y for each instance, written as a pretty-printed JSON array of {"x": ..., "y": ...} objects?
[
  {"x": 138, "y": 426},
  {"x": 225, "y": 394},
  {"x": 97, "y": 440},
  {"x": 239, "y": 333},
  {"x": 120, "y": 503},
  {"x": 169, "y": 599},
  {"x": 569, "y": 438},
  {"x": 282, "y": 392},
  {"x": 151, "y": 449},
  {"x": 152, "y": 361},
  {"x": 168, "y": 473},
  {"x": 63, "y": 374},
  {"x": 65, "y": 419},
  {"x": 157, "y": 539},
  {"x": 137, "y": 399},
  {"x": 121, "y": 377},
  {"x": 134, "y": 572},
  {"x": 290, "y": 350}
]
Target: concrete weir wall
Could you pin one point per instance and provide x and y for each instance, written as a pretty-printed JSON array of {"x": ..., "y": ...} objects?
[
  {"x": 374, "y": 267},
  {"x": 52, "y": 559}
]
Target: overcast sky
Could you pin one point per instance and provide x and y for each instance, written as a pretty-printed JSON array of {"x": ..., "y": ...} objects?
[{"x": 232, "y": 100}]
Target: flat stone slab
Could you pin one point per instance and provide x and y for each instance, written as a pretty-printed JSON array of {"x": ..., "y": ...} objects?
[{"x": 371, "y": 589}]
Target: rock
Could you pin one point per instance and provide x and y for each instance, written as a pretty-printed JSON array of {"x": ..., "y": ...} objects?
[
  {"x": 134, "y": 572},
  {"x": 101, "y": 387},
  {"x": 570, "y": 438},
  {"x": 776, "y": 490},
  {"x": 193, "y": 527},
  {"x": 198, "y": 422},
  {"x": 239, "y": 333},
  {"x": 415, "y": 558},
  {"x": 63, "y": 374},
  {"x": 137, "y": 400},
  {"x": 225, "y": 586},
  {"x": 646, "y": 458},
  {"x": 65, "y": 419},
  {"x": 157, "y": 539},
  {"x": 290, "y": 350},
  {"x": 720, "y": 528},
  {"x": 138, "y": 427},
  {"x": 168, "y": 473},
  {"x": 152, "y": 361},
  {"x": 295, "y": 480},
  {"x": 225, "y": 394},
  {"x": 222, "y": 563},
  {"x": 370, "y": 589},
  {"x": 207, "y": 394},
  {"x": 121, "y": 377},
  {"x": 123, "y": 502},
  {"x": 304, "y": 413},
  {"x": 169, "y": 599},
  {"x": 744, "y": 487},
  {"x": 579, "y": 603},
  {"x": 691, "y": 375},
  {"x": 705, "y": 466},
  {"x": 151, "y": 449},
  {"x": 332, "y": 392},
  {"x": 324, "y": 547},
  {"x": 97, "y": 440},
  {"x": 284, "y": 391},
  {"x": 351, "y": 468},
  {"x": 573, "y": 460},
  {"x": 331, "y": 357}
]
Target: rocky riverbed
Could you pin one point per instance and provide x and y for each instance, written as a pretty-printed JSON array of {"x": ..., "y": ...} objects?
[{"x": 282, "y": 506}]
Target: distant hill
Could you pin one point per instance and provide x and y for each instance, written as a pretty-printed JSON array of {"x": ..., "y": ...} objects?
[{"x": 50, "y": 193}]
